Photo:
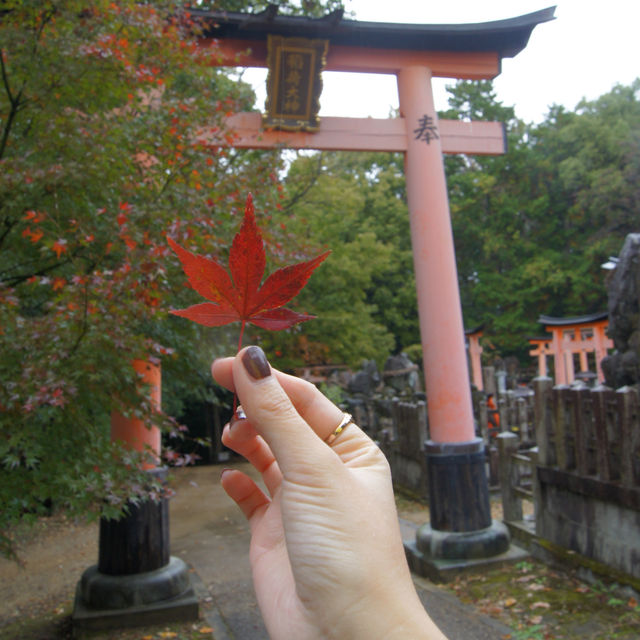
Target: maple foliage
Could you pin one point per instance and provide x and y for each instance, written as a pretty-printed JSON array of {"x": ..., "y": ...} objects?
[
  {"x": 100, "y": 107},
  {"x": 239, "y": 295}
]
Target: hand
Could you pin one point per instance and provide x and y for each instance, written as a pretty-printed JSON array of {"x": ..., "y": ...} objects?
[{"x": 326, "y": 551}]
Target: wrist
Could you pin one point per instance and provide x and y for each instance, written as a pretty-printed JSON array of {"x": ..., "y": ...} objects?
[{"x": 398, "y": 615}]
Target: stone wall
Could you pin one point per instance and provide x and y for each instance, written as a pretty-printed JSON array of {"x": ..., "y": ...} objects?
[{"x": 598, "y": 528}]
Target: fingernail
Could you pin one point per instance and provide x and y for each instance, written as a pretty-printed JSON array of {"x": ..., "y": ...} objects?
[
  {"x": 225, "y": 470},
  {"x": 256, "y": 363},
  {"x": 234, "y": 423}
]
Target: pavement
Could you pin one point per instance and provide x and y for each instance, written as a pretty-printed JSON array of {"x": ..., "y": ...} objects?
[{"x": 210, "y": 534}]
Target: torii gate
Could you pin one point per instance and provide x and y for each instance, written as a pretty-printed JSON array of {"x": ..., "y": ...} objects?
[
  {"x": 415, "y": 54},
  {"x": 569, "y": 336}
]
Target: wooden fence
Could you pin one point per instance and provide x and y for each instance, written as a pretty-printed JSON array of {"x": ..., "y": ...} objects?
[
  {"x": 517, "y": 477},
  {"x": 583, "y": 477},
  {"x": 592, "y": 433},
  {"x": 516, "y": 411},
  {"x": 588, "y": 440},
  {"x": 404, "y": 446}
]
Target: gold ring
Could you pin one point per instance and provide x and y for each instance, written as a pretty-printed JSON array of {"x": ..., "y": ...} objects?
[{"x": 344, "y": 423}]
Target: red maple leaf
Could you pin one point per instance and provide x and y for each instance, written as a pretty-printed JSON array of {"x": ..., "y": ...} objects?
[
  {"x": 59, "y": 246},
  {"x": 239, "y": 295}
]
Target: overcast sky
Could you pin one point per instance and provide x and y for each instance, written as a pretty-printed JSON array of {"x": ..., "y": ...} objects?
[{"x": 584, "y": 52}]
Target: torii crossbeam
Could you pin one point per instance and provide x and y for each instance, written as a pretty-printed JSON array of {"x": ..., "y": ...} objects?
[
  {"x": 362, "y": 134},
  {"x": 459, "y": 502}
]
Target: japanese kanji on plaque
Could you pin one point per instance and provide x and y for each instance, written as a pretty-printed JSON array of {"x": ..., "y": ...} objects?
[{"x": 294, "y": 83}]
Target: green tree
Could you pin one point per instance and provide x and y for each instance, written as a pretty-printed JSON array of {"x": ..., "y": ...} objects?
[
  {"x": 596, "y": 152},
  {"x": 364, "y": 295},
  {"x": 313, "y": 8},
  {"x": 533, "y": 226}
]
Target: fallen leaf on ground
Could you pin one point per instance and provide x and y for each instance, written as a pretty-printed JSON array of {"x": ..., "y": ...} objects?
[
  {"x": 491, "y": 610},
  {"x": 536, "y": 586},
  {"x": 528, "y": 578}
]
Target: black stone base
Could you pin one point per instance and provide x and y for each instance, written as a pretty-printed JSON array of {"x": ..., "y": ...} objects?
[
  {"x": 106, "y": 602},
  {"x": 461, "y": 534},
  {"x": 139, "y": 541},
  {"x": 445, "y": 570},
  {"x": 465, "y": 545},
  {"x": 458, "y": 487}
]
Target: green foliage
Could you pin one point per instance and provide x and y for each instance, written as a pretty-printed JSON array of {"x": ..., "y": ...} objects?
[
  {"x": 532, "y": 632},
  {"x": 314, "y": 8},
  {"x": 334, "y": 392},
  {"x": 353, "y": 205}
]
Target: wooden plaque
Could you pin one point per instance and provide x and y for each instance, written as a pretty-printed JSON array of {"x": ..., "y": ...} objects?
[{"x": 294, "y": 83}]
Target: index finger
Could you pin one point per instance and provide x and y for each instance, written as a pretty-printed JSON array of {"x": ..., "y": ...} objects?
[{"x": 313, "y": 407}]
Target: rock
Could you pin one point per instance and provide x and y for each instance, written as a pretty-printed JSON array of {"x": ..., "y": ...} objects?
[
  {"x": 366, "y": 380},
  {"x": 623, "y": 367},
  {"x": 401, "y": 374}
]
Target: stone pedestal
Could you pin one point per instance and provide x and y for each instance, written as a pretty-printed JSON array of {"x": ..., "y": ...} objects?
[
  {"x": 135, "y": 582},
  {"x": 461, "y": 533}
]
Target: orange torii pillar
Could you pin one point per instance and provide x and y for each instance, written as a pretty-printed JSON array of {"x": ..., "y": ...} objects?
[
  {"x": 475, "y": 352},
  {"x": 132, "y": 432},
  {"x": 460, "y": 526},
  {"x": 444, "y": 352},
  {"x": 542, "y": 349},
  {"x": 455, "y": 455}
]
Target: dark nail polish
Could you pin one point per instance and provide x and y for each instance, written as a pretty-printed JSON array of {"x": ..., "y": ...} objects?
[{"x": 256, "y": 363}]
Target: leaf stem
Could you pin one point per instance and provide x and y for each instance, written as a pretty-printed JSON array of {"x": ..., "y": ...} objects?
[
  {"x": 244, "y": 324},
  {"x": 235, "y": 395}
]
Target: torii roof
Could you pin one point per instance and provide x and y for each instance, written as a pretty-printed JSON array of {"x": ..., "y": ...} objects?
[
  {"x": 550, "y": 321},
  {"x": 476, "y": 329},
  {"x": 506, "y": 37}
]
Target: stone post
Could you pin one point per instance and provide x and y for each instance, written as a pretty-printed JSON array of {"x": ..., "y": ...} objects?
[
  {"x": 511, "y": 503},
  {"x": 541, "y": 419}
]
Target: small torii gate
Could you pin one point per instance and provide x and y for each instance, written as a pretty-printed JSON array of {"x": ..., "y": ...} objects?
[
  {"x": 415, "y": 54},
  {"x": 569, "y": 336}
]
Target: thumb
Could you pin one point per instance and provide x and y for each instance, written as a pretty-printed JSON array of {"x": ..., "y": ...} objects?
[{"x": 292, "y": 441}]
